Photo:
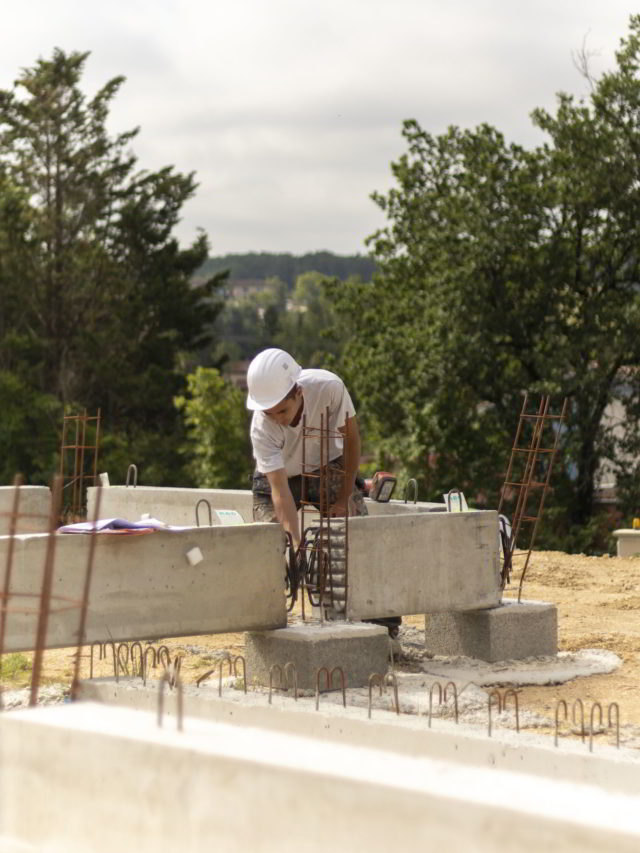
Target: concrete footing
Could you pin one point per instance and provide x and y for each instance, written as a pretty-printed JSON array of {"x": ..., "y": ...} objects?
[
  {"x": 508, "y": 632},
  {"x": 627, "y": 542},
  {"x": 358, "y": 648}
]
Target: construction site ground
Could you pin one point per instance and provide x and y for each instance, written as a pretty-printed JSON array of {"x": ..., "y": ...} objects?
[{"x": 598, "y": 601}]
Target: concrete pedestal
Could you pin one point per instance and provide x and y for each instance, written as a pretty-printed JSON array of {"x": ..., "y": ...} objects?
[
  {"x": 358, "y": 648},
  {"x": 627, "y": 542},
  {"x": 510, "y": 631}
]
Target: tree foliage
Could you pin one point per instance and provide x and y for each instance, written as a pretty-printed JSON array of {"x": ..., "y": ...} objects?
[
  {"x": 505, "y": 270},
  {"x": 96, "y": 294},
  {"x": 217, "y": 431}
]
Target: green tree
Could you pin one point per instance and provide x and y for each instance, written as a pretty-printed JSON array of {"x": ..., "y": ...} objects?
[
  {"x": 216, "y": 420},
  {"x": 505, "y": 270},
  {"x": 97, "y": 299}
]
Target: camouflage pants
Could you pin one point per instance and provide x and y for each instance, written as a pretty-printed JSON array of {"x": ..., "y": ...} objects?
[{"x": 263, "y": 505}]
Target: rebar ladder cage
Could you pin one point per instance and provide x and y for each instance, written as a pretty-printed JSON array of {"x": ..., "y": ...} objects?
[
  {"x": 46, "y": 603},
  {"x": 78, "y": 462},
  {"x": 527, "y": 479},
  {"x": 325, "y": 540}
]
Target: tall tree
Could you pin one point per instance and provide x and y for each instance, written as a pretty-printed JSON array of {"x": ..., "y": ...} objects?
[
  {"x": 97, "y": 298},
  {"x": 505, "y": 270}
]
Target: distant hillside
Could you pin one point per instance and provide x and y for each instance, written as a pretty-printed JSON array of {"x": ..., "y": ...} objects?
[{"x": 261, "y": 265}]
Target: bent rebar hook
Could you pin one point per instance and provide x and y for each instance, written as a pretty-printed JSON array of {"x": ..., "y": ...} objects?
[
  {"x": 208, "y": 505},
  {"x": 133, "y": 468}
]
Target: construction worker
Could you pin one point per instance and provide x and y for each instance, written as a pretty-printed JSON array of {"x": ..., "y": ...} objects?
[{"x": 280, "y": 394}]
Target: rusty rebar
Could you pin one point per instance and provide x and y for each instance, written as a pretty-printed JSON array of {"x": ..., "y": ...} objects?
[
  {"x": 391, "y": 678},
  {"x": 374, "y": 678},
  {"x": 614, "y": 706},
  {"x": 273, "y": 668},
  {"x": 455, "y": 697},
  {"x": 514, "y": 693},
  {"x": 494, "y": 693},
  {"x": 329, "y": 683},
  {"x": 208, "y": 506},
  {"x": 167, "y": 657},
  {"x": 244, "y": 670},
  {"x": 124, "y": 666},
  {"x": 134, "y": 646},
  {"x": 439, "y": 686},
  {"x": 578, "y": 702},
  {"x": 560, "y": 703},
  {"x": 101, "y": 654},
  {"x": 84, "y": 607},
  {"x": 290, "y": 669},
  {"x": 45, "y": 592},
  {"x": 145, "y": 663},
  {"x": 179, "y": 699},
  {"x": 593, "y": 708}
]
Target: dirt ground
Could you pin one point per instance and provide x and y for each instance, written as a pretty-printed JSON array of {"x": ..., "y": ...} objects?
[{"x": 598, "y": 601}]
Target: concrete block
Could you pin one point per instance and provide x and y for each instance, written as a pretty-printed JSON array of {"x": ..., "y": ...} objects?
[
  {"x": 34, "y": 509},
  {"x": 174, "y": 506},
  {"x": 144, "y": 586},
  {"x": 508, "y": 632},
  {"x": 358, "y": 648},
  {"x": 423, "y": 562},
  {"x": 627, "y": 542}
]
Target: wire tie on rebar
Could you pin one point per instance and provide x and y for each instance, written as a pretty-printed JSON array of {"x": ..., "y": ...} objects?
[{"x": 560, "y": 703}]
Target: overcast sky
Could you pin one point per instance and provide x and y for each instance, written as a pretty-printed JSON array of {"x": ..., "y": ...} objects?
[{"x": 290, "y": 111}]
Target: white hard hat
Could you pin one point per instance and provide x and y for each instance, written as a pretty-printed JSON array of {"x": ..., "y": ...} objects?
[{"x": 271, "y": 375}]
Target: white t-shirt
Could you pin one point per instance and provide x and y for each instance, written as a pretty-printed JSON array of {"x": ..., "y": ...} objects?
[{"x": 276, "y": 446}]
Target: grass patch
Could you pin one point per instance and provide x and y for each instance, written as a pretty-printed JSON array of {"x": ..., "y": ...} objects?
[{"x": 15, "y": 669}]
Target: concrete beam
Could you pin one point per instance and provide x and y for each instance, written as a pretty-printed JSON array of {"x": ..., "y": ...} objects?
[
  {"x": 174, "y": 506},
  {"x": 34, "y": 509},
  {"x": 144, "y": 586},
  {"x": 73, "y": 777},
  {"x": 424, "y": 562}
]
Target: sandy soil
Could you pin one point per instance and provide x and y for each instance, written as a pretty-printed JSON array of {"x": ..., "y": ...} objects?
[{"x": 598, "y": 600}]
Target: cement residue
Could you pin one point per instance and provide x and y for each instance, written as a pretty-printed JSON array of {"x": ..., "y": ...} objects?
[
  {"x": 52, "y": 694},
  {"x": 556, "y": 669}
]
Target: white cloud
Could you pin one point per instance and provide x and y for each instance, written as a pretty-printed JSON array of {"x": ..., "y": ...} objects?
[{"x": 290, "y": 111}]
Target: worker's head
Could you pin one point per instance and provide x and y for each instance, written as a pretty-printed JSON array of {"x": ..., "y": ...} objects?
[{"x": 271, "y": 380}]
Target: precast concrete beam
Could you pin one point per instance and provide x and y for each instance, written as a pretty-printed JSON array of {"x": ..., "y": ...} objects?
[
  {"x": 86, "y": 777},
  {"x": 34, "y": 509},
  {"x": 173, "y": 506},
  {"x": 423, "y": 562},
  {"x": 145, "y": 587}
]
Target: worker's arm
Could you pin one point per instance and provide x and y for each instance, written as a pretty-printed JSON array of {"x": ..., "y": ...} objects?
[
  {"x": 351, "y": 435},
  {"x": 283, "y": 504}
]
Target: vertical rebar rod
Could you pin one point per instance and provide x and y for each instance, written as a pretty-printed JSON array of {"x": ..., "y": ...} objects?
[
  {"x": 6, "y": 589},
  {"x": 513, "y": 450},
  {"x": 85, "y": 599},
  {"x": 45, "y": 594}
]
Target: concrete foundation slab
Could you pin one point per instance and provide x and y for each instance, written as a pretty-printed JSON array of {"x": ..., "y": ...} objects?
[
  {"x": 422, "y": 563},
  {"x": 358, "y": 648},
  {"x": 34, "y": 509},
  {"x": 508, "y": 632},
  {"x": 144, "y": 586}
]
